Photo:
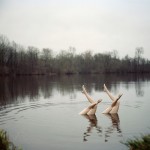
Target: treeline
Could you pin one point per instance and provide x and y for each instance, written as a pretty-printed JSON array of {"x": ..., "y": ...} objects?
[{"x": 17, "y": 60}]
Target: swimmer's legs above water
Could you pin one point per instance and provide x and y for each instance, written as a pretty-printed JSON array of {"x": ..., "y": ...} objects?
[
  {"x": 114, "y": 107},
  {"x": 90, "y": 99},
  {"x": 91, "y": 109}
]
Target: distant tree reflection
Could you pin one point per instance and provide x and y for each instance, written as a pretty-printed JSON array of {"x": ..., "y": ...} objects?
[{"x": 17, "y": 89}]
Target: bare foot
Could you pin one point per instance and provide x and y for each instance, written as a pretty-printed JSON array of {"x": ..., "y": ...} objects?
[
  {"x": 99, "y": 101},
  {"x": 105, "y": 88},
  {"x": 116, "y": 101},
  {"x": 84, "y": 90},
  {"x": 119, "y": 95}
]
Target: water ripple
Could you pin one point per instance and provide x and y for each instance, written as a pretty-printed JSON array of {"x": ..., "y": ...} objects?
[{"x": 11, "y": 112}]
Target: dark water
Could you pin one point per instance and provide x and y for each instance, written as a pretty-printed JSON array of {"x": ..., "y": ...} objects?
[{"x": 41, "y": 113}]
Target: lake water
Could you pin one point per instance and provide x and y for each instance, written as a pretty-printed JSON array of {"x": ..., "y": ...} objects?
[{"x": 41, "y": 113}]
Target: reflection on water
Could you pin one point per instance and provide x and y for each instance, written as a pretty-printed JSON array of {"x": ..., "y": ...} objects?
[
  {"x": 17, "y": 89},
  {"x": 105, "y": 132},
  {"x": 114, "y": 126},
  {"x": 43, "y": 111},
  {"x": 93, "y": 124}
]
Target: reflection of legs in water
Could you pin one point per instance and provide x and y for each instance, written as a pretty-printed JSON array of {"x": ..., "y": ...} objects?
[
  {"x": 90, "y": 110},
  {"x": 93, "y": 123},
  {"x": 115, "y": 121},
  {"x": 115, "y": 125},
  {"x": 115, "y": 104}
]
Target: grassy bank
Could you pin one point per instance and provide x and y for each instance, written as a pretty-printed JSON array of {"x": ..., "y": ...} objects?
[
  {"x": 142, "y": 143},
  {"x": 5, "y": 143}
]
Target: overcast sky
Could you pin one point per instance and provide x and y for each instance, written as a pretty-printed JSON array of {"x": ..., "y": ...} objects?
[{"x": 97, "y": 25}]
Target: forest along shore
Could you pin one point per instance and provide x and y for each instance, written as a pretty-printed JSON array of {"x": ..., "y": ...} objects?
[{"x": 17, "y": 60}]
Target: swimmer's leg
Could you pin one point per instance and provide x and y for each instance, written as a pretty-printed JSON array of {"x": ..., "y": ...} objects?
[
  {"x": 115, "y": 105},
  {"x": 108, "y": 93},
  {"x": 90, "y": 99},
  {"x": 86, "y": 110},
  {"x": 93, "y": 110}
]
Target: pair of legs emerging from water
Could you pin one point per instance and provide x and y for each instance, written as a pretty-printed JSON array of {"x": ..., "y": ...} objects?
[{"x": 91, "y": 109}]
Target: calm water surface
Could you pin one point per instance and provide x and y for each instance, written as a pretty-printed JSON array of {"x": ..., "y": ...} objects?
[{"x": 41, "y": 113}]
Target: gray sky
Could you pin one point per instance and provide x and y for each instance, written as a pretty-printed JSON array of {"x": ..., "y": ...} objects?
[{"x": 97, "y": 25}]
